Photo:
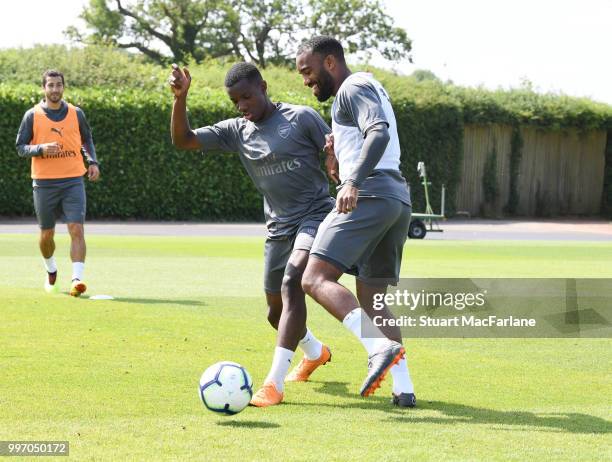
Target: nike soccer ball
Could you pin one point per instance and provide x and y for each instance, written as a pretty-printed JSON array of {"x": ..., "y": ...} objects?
[{"x": 226, "y": 387}]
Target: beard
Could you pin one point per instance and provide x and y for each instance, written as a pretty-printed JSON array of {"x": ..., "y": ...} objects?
[
  {"x": 326, "y": 86},
  {"x": 54, "y": 97}
]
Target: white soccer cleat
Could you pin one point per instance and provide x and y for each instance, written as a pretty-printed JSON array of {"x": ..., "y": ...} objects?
[{"x": 51, "y": 286}]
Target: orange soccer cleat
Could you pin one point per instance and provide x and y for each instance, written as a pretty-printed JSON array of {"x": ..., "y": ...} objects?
[
  {"x": 266, "y": 396},
  {"x": 77, "y": 288},
  {"x": 306, "y": 367}
]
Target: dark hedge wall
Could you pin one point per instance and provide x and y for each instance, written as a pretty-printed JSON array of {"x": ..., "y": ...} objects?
[{"x": 145, "y": 177}]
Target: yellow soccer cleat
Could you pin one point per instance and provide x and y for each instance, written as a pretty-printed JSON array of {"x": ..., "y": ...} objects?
[
  {"x": 77, "y": 288},
  {"x": 266, "y": 396},
  {"x": 306, "y": 367}
]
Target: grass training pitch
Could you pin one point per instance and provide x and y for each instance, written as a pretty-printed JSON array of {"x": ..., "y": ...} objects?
[{"x": 118, "y": 378}]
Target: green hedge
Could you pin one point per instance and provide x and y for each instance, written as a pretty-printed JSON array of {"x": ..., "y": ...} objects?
[
  {"x": 128, "y": 106},
  {"x": 91, "y": 66},
  {"x": 606, "y": 200},
  {"x": 144, "y": 176},
  {"x": 95, "y": 67},
  {"x": 432, "y": 132}
]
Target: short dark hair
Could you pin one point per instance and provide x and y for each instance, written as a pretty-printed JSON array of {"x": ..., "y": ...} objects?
[
  {"x": 323, "y": 45},
  {"x": 52, "y": 73},
  {"x": 241, "y": 71}
]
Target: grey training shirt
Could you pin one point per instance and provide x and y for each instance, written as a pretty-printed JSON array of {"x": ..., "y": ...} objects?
[
  {"x": 361, "y": 103},
  {"x": 281, "y": 155}
]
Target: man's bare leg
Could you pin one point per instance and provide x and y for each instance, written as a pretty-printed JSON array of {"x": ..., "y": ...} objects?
[{"x": 320, "y": 281}]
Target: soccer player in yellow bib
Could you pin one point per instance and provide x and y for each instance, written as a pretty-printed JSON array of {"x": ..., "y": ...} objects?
[{"x": 53, "y": 134}]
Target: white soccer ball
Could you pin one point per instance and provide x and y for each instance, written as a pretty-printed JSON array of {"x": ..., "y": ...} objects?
[{"x": 226, "y": 387}]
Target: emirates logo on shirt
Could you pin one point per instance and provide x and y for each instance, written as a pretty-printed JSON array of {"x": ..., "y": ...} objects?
[
  {"x": 61, "y": 154},
  {"x": 58, "y": 131},
  {"x": 278, "y": 167}
]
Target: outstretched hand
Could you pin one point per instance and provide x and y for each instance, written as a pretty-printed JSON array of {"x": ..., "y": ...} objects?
[{"x": 179, "y": 80}]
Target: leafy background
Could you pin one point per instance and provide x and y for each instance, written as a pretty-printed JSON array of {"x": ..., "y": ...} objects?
[{"x": 128, "y": 106}]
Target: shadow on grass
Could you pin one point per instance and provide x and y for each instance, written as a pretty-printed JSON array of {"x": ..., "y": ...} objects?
[
  {"x": 247, "y": 424},
  {"x": 570, "y": 422},
  {"x": 333, "y": 388},
  {"x": 378, "y": 403},
  {"x": 159, "y": 301}
]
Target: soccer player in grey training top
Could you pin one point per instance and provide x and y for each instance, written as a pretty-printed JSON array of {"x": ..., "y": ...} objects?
[
  {"x": 365, "y": 233},
  {"x": 279, "y": 146}
]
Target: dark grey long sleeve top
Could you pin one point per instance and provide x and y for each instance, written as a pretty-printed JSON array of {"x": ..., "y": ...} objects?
[{"x": 26, "y": 132}]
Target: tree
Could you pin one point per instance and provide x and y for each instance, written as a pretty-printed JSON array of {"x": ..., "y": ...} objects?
[
  {"x": 265, "y": 29},
  {"x": 161, "y": 29},
  {"x": 361, "y": 25},
  {"x": 261, "y": 31},
  {"x": 421, "y": 75}
]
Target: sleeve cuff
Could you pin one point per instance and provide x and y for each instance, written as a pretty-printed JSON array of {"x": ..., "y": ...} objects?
[{"x": 373, "y": 124}]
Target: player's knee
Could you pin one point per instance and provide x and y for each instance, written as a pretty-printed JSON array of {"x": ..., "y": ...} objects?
[
  {"x": 76, "y": 230},
  {"x": 47, "y": 234},
  {"x": 310, "y": 281},
  {"x": 292, "y": 280}
]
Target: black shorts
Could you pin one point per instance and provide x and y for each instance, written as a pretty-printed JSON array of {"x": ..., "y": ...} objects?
[
  {"x": 367, "y": 242},
  {"x": 278, "y": 251},
  {"x": 62, "y": 198}
]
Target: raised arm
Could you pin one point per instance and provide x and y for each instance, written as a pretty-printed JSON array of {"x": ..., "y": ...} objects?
[{"x": 183, "y": 137}]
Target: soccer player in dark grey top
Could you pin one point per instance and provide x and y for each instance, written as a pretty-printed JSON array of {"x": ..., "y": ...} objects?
[
  {"x": 364, "y": 235},
  {"x": 54, "y": 135},
  {"x": 279, "y": 146}
]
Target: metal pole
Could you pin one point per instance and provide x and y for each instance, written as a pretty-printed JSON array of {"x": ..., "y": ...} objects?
[{"x": 443, "y": 200}]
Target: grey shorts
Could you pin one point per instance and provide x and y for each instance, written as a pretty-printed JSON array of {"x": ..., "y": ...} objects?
[
  {"x": 63, "y": 199},
  {"x": 367, "y": 242},
  {"x": 278, "y": 251}
]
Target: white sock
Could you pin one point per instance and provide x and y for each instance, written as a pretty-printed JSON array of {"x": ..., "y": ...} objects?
[
  {"x": 280, "y": 367},
  {"x": 50, "y": 265},
  {"x": 311, "y": 346},
  {"x": 78, "y": 268},
  {"x": 353, "y": 322},
  {"x": 402, "y": 383}
]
